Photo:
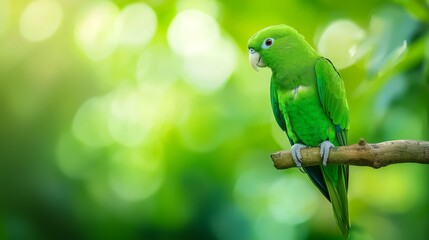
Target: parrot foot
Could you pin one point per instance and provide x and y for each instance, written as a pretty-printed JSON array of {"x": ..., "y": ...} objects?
[
  {"x": 325, "y": 147},
  {"x": 296, "y": 155}
]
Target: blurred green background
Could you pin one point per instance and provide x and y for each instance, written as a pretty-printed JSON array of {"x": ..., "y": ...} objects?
[{"x": 143, "y": 119}]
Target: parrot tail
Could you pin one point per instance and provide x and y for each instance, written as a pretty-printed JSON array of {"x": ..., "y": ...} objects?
[{"x": 336, "y": 182}]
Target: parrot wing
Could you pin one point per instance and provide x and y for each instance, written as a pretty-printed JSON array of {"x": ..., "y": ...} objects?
[
  {"x": 334, "y": 102},
  {"x": 332, "y": 95},
  {"x": 278, "y": 115}
]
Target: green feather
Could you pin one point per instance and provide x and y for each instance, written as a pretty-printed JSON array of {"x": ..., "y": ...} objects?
[
  {"x": 335, "y": 177},
  {"x": 332, "y": 93},
  {"x": 275, "y": 106}
]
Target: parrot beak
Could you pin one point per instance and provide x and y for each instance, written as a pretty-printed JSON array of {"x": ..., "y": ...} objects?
[{"x": 255, "y": 59}]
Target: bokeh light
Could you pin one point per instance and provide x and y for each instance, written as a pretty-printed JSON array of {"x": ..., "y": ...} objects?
[
  {"x": 272, "y": 201},
  {"x": 398, "y": 116},
  {"x": 4, "y": 16},
  {"x": 95, "y": 30},
  {"x": 75, "y": 159},
  {"x": 198, "y": 127},
  {"x": 209, "y": 6},
  {"x": 251, "y": 172},
  {"x": 136, "y": 24},
  {"x": 210, "y": 71},
  {"x": 288, "y": 207},
  {"x": 125, "y": 116},
  {"x": 133, "y": 115},
  {"x": 135, "y": 174},
  {"x": 157, "y": 66},
  {"x": 193, "y": 32},
  {"x": 90, "y": 122},
  {"x": 265, "y": 229},
  {"x": 342, "y": 43},
  {"x": 389, "y": 190},
  {"x": 208, "y": 57},
  {"x": 40, "y": 20},
  {"x": 383, "y": 27},
  {"x": 388, "y": 94}
]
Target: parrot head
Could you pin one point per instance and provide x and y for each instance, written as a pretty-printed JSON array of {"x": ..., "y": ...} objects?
[{"x": 274, "y": 45}]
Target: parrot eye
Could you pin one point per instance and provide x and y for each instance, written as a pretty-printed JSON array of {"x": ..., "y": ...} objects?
[{"x": 268, "y": 43}]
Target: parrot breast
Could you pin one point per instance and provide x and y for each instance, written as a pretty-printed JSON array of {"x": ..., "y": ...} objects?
[
  {"x": 306, "y": 117},
  {"x": 298, "y": 90}
]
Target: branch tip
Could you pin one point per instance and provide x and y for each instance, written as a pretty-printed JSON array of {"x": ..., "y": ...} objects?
[
  {"x": 275, "y": 155},
  {"x": 362, "y": 142}
]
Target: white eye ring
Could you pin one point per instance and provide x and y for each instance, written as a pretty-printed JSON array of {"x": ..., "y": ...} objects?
[{"x": 267, "y": 43}]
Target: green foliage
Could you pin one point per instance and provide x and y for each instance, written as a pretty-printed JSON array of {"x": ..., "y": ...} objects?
[{"x": 115, "y": 124}]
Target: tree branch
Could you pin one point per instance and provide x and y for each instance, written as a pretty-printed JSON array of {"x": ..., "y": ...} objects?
[{"x": 374, "y": 155}]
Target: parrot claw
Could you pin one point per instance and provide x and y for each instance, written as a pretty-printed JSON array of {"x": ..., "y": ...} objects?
[
  {"x": 325, "y": 147},
  {"x": 296, "y": 155}
]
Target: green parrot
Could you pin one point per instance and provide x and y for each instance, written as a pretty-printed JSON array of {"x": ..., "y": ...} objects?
[{"x": 309, "y": 102}]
